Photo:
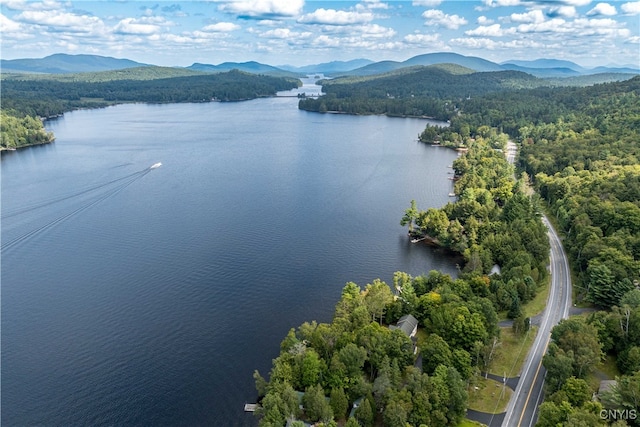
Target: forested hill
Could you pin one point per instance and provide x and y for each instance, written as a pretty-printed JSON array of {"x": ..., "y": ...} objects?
[
  {"x": 437, "y": 91},
  {"x": 47, "y": 97},
  {"x": 436, "y": 81}
]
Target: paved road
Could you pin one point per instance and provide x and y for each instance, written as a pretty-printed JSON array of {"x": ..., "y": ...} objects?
[{"x": 523, "y": 406}]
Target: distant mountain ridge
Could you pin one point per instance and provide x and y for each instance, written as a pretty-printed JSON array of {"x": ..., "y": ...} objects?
[
  {"x": 249, "y": 67},
  {"x": 329, "y": 68},
  {"x": 544, "y": 68},
  {"x": 61, "y": 63}
]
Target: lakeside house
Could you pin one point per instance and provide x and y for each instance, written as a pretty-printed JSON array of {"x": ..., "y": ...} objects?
[{"x": 409, "y": 325}]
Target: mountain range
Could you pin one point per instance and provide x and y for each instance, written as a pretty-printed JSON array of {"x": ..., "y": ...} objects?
[{"x": 545, "y": 68}]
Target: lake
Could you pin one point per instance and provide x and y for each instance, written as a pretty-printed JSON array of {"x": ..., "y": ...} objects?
[{"x": 133, "y": 296}]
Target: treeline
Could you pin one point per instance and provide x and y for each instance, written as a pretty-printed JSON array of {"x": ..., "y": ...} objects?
[
  {"x": 493, "y": 223},
  {"x": 585, "y": 162},
  {"x": 357, "y": 359},
  {"x": 586, "y": 165},
  {"x": 578, "y": 345},
  {"x": 432, "y": 91},
  {"x": 415, "y": 107},
  {"x": 507, "y": 100},
  {"x": 16, "y": 132},
  {"x": 29, "y": 95},
  {"x": 26, "y": 98}
]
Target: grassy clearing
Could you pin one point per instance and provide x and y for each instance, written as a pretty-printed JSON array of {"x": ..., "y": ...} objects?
[
  {"x": 489, "y": 396},
  {"x": 539, "y": 302},
  {"x": 606, "y": 370},
  {"x": 470, "y": 423},
  {"x": 512, "y": 351}
]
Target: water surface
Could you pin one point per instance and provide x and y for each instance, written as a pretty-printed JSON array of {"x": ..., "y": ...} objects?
[{"x": 137, "y": 297}]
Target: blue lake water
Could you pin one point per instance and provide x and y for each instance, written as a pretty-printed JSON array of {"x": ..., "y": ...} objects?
[{"x": 147, "y": 297}]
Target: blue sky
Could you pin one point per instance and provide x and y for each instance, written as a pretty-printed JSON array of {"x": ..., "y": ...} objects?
[{"x": 302, "y": 32}]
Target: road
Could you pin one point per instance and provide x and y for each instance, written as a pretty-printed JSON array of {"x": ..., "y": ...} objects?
[{"x": 524, "y": 403}]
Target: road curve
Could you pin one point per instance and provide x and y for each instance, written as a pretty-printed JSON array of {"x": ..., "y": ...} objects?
[{"x": 523, "y": 406}]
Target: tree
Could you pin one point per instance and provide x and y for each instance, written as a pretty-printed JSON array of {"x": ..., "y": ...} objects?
[
  {"x": 376, "y": 297},
  {"x": 559, "y": 367},
  {"x": 397, "y": 410},
  {"x": 580, "y": 340},
  {"x": 339, "y": 403},
  {"x": 552, "y": 415},
  {"x": 353, "y": 358},
  {"x": 410, "y": 216},
  {"x": 261, "y": 383},
  {"x": 315, "y": 405},
  {"x": 311, "y": 368},
  {"x": 364, "y": 414},
  {"x": 352, "y": 422},
  {"x": 435, "y": 351},
  {"x": 577, "y": 391}
]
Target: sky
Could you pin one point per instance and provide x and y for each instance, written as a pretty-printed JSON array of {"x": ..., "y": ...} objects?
[{"x": 304, "y": 32}]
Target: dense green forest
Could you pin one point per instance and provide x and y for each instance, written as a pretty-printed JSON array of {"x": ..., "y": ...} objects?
[
  {"x": 29, "y": 96},
  {"x": 358, "y": 359},
  {"x": 16, "y": 132},
  {"x": 585, "y": 162},
  {"x": 579, "y": 148},
  {"x": 437, "y": 91}
]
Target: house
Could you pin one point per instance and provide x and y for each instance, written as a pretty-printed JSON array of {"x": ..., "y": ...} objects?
[
  {"x": 495, "y": 269},
  {"x": 407, "y": 324}
]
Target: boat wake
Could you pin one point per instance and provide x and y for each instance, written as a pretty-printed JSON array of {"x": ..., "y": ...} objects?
[{"x": 108, "y": 189}]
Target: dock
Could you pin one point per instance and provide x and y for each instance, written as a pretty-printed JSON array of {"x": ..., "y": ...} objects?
[{"x": 250, "y": 407}]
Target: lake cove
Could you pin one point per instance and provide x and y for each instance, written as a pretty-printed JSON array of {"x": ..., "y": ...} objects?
[{"x": 148, "y": 297}]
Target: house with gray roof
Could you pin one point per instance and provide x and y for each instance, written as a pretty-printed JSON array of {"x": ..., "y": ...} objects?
[{"x": 407, "y": 324}]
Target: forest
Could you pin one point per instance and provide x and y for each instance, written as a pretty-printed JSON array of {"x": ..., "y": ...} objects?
[
  {"x": 578, "y": 148},
  {"x": 28, "y": 97},
  {"x": 435, "y": 91},
  {"x": 358, "y": 359}
]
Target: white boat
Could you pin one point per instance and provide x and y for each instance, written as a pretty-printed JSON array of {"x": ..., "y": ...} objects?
[{"x": 156, "y": 166}]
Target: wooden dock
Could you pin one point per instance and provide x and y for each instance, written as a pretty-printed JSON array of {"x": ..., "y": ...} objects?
[{"x": 250, "y": 407}]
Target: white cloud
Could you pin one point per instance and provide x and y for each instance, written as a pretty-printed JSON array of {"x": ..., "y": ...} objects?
[
  {"x": 438, "y": 18},
  {"x": 278, "y": 33},
  {"x": 555, "y": 25},
  {"x": 499, "y": 3},
  {"x": 600, "y": 27},
  {"x": 422, "y": 38},
  {"x": 335, "y": 17},
  {"x": 221, "y": 27},
  {"x": 427, "y": 3},
  {"x": 603, "y": 9},
  {"x": 575, "y": 2},
  {"x": 29, "y": 5},
  {"x": 631, "y": 8},
  {"x": 483, "y": 20},
  {"x": 489, "y": 44},
  {"x": 487, "y": 31},
  {"x": 564, "y": 11},
  {"x": 533, "y": 16},
  {"x": 8, "y": 26},
  {"x": 263, "y": 8},
  {"x": 61, "y": 21},
  {"x": 136, "y": 27},
  {"x": 372, "y": 4}
]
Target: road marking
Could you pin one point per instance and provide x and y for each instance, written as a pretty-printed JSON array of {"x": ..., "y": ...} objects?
[{"x": 533, "y": 383}]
